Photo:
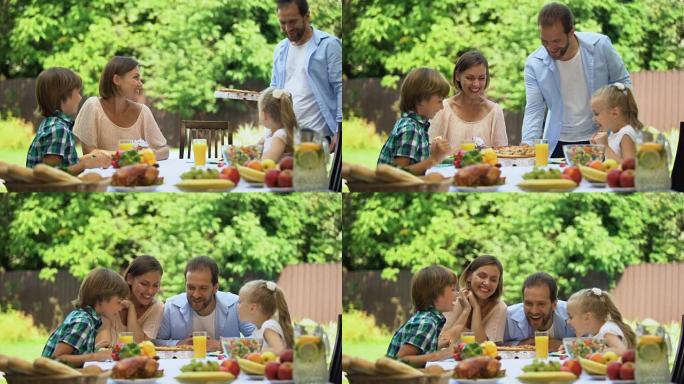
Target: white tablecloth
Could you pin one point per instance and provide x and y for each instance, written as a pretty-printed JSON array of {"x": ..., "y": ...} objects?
[
  {"x": 171, "y": 170},
  {"x": 514, "y": 176},
  {"x": 513, "y": 369}
]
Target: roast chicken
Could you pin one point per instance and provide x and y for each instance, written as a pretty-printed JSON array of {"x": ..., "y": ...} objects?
[
  {"x": 135, "y": 175},
  {"x": 480, "y": 367},
  {"x": 136, "y": 367},
  {"x": 478, "y": 175}
]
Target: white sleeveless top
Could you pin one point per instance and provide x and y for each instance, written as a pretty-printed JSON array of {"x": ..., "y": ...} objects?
[
  {"x": 616, "y": 137},
  {"x": 610, "y": 327},
  {"x": 268, "y": 324}
]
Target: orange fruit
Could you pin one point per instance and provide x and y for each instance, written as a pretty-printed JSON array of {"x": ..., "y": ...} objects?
[
  {"x": 255, "y": 164},
  {"x": 597, "y": 164}
]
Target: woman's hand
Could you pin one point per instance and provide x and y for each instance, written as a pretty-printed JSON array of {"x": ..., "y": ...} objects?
[
  {"x": 473, "y": 301},
  {"x": 126, "y": 304},
  {"x": 463, "y": 300}
]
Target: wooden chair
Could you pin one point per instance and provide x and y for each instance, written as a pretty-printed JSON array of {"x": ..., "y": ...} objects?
[
  {"x": 678, "y": 168},
  {"x": 678, "y": 369},
  {"x": 216, "y": 133},
  {"x": 336, "y": 360},
  {"x": 336, "y": 171}
]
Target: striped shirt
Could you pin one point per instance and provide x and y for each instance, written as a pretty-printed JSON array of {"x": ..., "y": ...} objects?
[
  {"x": 53, "y": 137},
  {"x": 78, "y": 330},
  {"x": 409, "y": 138},
  {"x": 421, "y": 330}
]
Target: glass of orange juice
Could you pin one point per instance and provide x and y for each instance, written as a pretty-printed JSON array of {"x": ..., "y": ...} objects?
[
  {"x": 125, "y": 337},
  {"x": 541, "y": 344},
  {"x": 125, "y": 145},
  {"x": 199, "y": 151},
  {"x": 199, "y": 344},
  {"x": 467, "y": 145},
  {"x": 468, "y": 337},
  {"x": 541, "y": 152}
]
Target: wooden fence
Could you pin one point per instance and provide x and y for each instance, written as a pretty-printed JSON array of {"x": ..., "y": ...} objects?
[
  {"x": 643, "y": 291},
  {"x": 312, "y": 291}
]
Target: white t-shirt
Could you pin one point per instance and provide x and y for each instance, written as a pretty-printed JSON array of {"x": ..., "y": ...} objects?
[
  {"x": 268, "y": 324},
  {"x": 306, "y": 108},
  {"x": 205, "y": 323},
  {"x": 577, "y": 122},
  {"x": 616, "y": 137},
  {"x": 610, "y": 327},
  {"x": 281, "y": 135}
]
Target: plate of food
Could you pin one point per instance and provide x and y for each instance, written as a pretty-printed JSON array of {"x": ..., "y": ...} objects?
[
  {"x": 142, "y": 188},
  {"x": 476, "y": 381},
  {"x": 596, "y": 184},
  {"x": 205, "y": 185},
  {"x": 623, "y": 189},
  {"x": 136, "y": 381},
  {"x": 515, "y": 151},
  {"x": 278, "y": 189},
  {"x": 487, "y": 188}
]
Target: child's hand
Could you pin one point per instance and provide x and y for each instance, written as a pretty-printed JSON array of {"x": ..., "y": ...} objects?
[
  {"x": 561, "y": 349},
  {"x": 103, "y": 355},
  {"x": 97, "y": 159},
  {"x": 440, "y": 148},
  {"x": 600, "y": 138}
]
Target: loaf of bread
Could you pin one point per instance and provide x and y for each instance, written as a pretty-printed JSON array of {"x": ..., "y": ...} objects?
[
  {"x": 20, "y": 366},
  {"x": 51, "y": 367},
  {"x": 393, "y": 367},
  {"x": 22, "y": 174},
  {"x": 392, "y": 174},
  {"x": 49, "y": 174}
]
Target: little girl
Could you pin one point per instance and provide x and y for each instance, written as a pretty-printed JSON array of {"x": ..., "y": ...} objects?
[
  {"x": 263, "y": 304},
  {"x": 615, "y": 110},
  {"x": 592, "y": 311},
  {"x": 277, "y": 114}
]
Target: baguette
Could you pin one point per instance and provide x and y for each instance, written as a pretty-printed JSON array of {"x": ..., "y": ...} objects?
[
  {"x": 391, "y": 174},
  {"x": 346, "y": 170},
  {"x": 21, "y": 366},
  {"x": 4, "y": 171},
  {"x": 362, "y": 173},
  {"x": 4, "y": 363},
  {"x": 51, "y": 367},
  {"x": 21, "y": 174},
  {"x": 48, "y": 174},
  {"x": 393, "y": 367},
  {"x": 346, "y": 363},
  {"x": 362, "y": 366}
]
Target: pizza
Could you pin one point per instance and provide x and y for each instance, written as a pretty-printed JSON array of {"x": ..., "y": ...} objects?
[
  {"x": 173, "y": 348},
  {"x": 515, "y": 151},
  {"x": 240, "y": 92},
  {"x": 515, "y": 348}
]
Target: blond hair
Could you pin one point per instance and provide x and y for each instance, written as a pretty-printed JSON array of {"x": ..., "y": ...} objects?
[
  {"x": 620, "y": 96},
  {"x": 100, "y": 285},
  {"x": 54, "y": 86},
  {"x": 271, "y": 299},
  {"x": 601, "y": 305},
  {"x": 277, "y": 104},
  {"x": 421, "y": 84}
]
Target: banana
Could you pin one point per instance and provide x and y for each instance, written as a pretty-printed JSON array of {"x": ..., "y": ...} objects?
[
  {"x": 547, "y": 377},
  {"x": 205, "y": 184},
  {"x": 252, "y": 367},
  {"x": 203, "y": 377},
  {"x": 250, "y": 174},
  {"x": 592, "y": 174},
  {"x": 592, "y": 366},
  {"x": 548, "y": 185}
]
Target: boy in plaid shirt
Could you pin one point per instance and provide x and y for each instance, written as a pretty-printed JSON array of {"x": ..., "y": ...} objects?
[
  {"x": 408, "y": 145},
  {"x": 101, "y": 294},
  {"x": 58, "y": 95},
  {"x": 433, "y": 291}
]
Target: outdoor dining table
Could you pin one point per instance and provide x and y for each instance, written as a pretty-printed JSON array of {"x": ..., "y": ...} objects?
[
  {"x": 172, "y": 169},
  {"x": 514, "y": 175},
  {"x": 171, "y": 368}
]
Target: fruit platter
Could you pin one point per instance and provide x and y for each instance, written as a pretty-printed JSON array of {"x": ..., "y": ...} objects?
[
  {"x": 240, "y": 346},
  {"x": 207, "y": 180},
  {"x": 540, "y": 371},
  {"x": 583, "y": 154},
  {"x": 547, "y": 180}
]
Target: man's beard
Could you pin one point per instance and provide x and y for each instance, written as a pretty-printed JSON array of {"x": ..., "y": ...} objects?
[{"x": 562, "y": 51}]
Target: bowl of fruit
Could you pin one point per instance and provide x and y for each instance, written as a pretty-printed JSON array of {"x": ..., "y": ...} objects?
[
  {"x": 583, "y": 154},
  {"x": 241, "y": 154},
  {"x": 577, "y": 347},
  {"x": 235, "y": 347}
]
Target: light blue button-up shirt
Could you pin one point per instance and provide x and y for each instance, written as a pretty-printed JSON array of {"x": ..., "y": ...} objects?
[
  {"x": 176, "y": 322},
  {"x": 602, "y": 66},
  {"x": 324, "y": 72},
  {"x": 518, "y": 328}
]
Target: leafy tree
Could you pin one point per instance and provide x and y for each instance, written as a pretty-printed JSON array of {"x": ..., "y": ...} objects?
[
  {"x": 569, "y": 236},
  {"x": 385, "y": 38},
  {"x": 248, "y": 234}
]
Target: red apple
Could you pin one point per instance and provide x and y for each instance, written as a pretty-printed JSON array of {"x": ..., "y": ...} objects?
[
  {"x": 285, "y": 371},
  {"x": 271, "y": 178},
  {"x": 271, "y": 371},
  {"x": 628, "y": 163},
  {"x": 286, "y": 163},
  {"x": 613, "y": 178},
  {"x": 230, "y": 365},
  {"x": 627, "y": 179},
  {"x": 613, "y": 370},
  {"x": 286, "y": 356},
  {"x": 627, "y": 371},
  {"x": 573, "y": 366},
  {"x": 573, "y": 173},
  {"x": 628, "y": 355},
  {"x": 285, "y": 179},
  {"x": 231, "y": 173}
]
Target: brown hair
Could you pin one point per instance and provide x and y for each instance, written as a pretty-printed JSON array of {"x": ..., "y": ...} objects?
[
  {"x": 552, "y": 13},
  {"x": 118, "y": 65},
  {"x": 474, "y": 265},
  {"x": 466, "y": 61},
  {"x": 101, "y": 284},
  {"x": 258, "y": 292},
  {"x": 428, "y": 284},
  {"x": 603, "y": 307},
  {"x": 203, "y": 262},
  {"x": 54, "y": 86},
  {"x": 142, "y": 265},
  {"x": 421, "y": 84},
  {"x": 539, "y": 279},
  {"x": 302, "y": 5},
  {"x": 622, "y": 99},
  {"x": 280, "y": 109}
]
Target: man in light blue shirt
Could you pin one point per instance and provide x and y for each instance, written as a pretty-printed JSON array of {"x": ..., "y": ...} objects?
[
  {"x": 308, "y": 64},
  {"x": 540, "y": 311},
  {"x": 201, "y": 308},
  {"x": 562, "y": 75}
]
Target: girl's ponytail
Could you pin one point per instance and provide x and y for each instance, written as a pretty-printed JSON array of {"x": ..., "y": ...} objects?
[{"x": 284, "y": 317}]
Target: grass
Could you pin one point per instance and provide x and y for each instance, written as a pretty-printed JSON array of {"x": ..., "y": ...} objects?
[
  {"x": 369, "y": 350},
  {"x": 13, "y": 156},
  {"x": 367, "y": 157},
  {"x": 27, "y": 350}
]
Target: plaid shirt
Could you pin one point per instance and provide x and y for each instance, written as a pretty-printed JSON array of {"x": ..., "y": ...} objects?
[
  {"x": 78, "y": 330},
  {"x": 409, "y": 138},
  {"x": 421, "y": 330},
  {"x": 53, "y": 137}
]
